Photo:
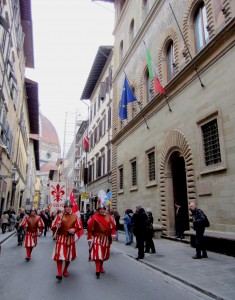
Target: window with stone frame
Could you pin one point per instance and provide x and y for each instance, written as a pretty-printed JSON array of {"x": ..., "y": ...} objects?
[
  {"x": 211, "y": 143},
  {"x": 108, "y": 160},
  {"x": 151, "y": 166},
  {"x": 103, "y": 164},
  {"x": 121, "y": 52},
  {"x": 131, "y": 32},
  {"x": 201, "y": 28},
  {"x": 98, "y": 167},
  {"x": 145, "y": 8},
  {"x": 120, "y": 178},
  {"x": 133, "y": 173},
  {"x": 170, "y": 61},
  {"x": 109, "y": 117},
  {"x": 89, "y": 173}
]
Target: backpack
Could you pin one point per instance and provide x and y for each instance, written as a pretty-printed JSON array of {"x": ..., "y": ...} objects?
[
  {"x": 206, "y": 221},
  {"x": 130, "y": 223}
]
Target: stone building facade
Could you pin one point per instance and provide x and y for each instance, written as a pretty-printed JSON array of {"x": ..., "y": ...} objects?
[
  {"x": 96, "y": 164},
  {"x": 19, "y": 108},
  {"x": 178, "y": 148}
]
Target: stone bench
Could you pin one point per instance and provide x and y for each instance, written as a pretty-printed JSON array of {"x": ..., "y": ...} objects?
[{"x": 218, "y": 241}]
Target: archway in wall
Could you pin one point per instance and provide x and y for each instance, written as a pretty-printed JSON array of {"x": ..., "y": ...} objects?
[{"x": 176, "y": 153}]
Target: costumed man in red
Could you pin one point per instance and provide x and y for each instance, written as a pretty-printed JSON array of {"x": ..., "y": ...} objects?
[
  {"x": 101, "y": 230},
  {"x": 67, "y": 229},
  {"x": 33, "y": 225}
]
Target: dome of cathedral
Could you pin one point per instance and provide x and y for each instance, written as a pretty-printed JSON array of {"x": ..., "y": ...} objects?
[{"x": 48, "y": 134}]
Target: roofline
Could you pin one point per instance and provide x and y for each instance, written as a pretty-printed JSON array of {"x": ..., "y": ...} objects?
[
  {"x": 27, "y": 26},
  {"x": 101, "y": 58}
]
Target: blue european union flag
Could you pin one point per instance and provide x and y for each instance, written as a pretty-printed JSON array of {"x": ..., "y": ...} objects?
[{"x": 127, "y": 96}]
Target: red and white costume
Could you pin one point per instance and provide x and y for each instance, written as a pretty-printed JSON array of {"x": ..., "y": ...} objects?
[
  {"x": 32, "y": 224},
  {"x": 101, "y": 228},
  {"x": 65, "y": 248}
]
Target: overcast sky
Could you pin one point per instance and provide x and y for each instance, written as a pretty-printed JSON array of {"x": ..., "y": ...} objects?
[{"x": 66, "y": 36}]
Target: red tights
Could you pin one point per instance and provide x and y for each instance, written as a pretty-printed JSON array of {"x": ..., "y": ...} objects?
[
  {"x": 60, "y": 266},
  {"x": 28, "y": 252}
]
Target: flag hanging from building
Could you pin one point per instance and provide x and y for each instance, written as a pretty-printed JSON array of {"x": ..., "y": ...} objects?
[
  {"x": 127, "y": 97},
  {"x": 86, "y": 143},
  {"x": 153, "y": 74}
]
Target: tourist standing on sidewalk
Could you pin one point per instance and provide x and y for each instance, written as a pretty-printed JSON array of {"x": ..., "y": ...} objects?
[
  {"x": 12, "y": 220},
  {"x": 4, "y": 220},
  {"x": 66, "y": 227},
  {"x": 32, "y": 224},
  {"x": 149, "y": 244},
  {"x": 140, "y": 229},
  {"x": 19, "y": 228},
  {"x": 127, "y": 224},
  {"x": 198, "y": 219},
  {"x": 179, "y": 220},
  {"x": 101, "y": 230},
  {"x": 117, "y": 220}
]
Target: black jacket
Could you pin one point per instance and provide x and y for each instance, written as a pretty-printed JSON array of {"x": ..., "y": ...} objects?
[
  {"x": 199, "y": 219},
  {"x": 139, "y": 220}
]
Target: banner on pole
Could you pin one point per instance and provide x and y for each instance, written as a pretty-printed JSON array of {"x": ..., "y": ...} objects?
[{"x": 57, "y": 194}]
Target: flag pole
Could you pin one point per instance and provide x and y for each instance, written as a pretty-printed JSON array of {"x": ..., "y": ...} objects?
[
  {"x": 137, "y": 102},
  {"x": 167, "y": 102},
  {"x": 194, "y": 66},
  {"x": 164, "y": 94}
]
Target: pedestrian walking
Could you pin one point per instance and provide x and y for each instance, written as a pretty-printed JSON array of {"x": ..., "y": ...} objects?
[
  {"x": 198, "y": 219},
  {"x": 149, "y": 244},
  {"x": 140, "y": 229},
  {"x": 20, "y": 230},
  {"x": 33, "y": 226},
  {"x": 117, "y": 221},
  {"x": 101, "y": 230},
  {"x": 12, "y": 220},
  {"x": 66, "y": 227},
  {"x": 4, "y": 220}
]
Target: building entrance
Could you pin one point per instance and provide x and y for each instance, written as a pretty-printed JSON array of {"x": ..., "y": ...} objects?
[{"x": 180, "y": 192}]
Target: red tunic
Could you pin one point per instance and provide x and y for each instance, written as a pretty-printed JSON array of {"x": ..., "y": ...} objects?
[
  {"x": 32, "y": 224},
  {"x": 65, "y": 248},
  {"x": 101, "y": 228}
]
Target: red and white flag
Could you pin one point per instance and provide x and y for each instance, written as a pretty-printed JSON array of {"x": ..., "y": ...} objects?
[{"x": 75, "y": 210}]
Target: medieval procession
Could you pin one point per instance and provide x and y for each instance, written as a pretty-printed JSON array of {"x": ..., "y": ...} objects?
[{"x": 117, "y": 149}]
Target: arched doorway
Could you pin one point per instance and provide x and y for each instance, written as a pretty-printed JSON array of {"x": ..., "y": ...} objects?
[
  {"x": 177, "y": 179},
  {"x": 180, "y": 187}
]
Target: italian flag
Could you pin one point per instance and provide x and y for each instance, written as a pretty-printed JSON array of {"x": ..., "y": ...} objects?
[{"x": 153, "y": 74}]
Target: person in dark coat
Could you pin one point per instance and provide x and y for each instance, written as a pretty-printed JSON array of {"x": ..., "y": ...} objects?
[
  {"x": 20, "y": 230},
  {"x": 198, "y": 219},
  {"x": 179, "y": 221},
  {"x": 117, "y": 220},
  {"x": 149, "y": 244},
  {"x": 139, "y": 220}
]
